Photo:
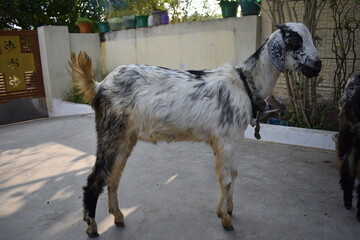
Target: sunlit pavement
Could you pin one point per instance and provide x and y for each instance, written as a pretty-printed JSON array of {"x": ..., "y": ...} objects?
[{"x": 168, "y": 191}]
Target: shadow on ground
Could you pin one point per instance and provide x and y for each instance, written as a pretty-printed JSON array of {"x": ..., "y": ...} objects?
[{"x": 168, "y": 191}]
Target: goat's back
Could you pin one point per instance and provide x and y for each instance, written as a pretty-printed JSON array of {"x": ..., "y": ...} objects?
[{"x": 166, "y": 104}]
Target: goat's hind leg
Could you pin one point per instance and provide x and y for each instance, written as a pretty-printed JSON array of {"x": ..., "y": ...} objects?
[
  {"x": 112, "y": 195},
  {"x": 111, "y": 130},
  {"x": 124, "y": 152},
  {"x": 94, "y": 187}
]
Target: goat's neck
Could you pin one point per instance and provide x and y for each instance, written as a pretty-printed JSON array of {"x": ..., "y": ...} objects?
[{"x": 263, "y": 73}]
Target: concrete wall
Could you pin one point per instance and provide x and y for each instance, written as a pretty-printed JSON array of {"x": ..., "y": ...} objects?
[
  {"x": 89, "y": 43},
  {"x": 197, "y": 45},
  {"x": 54, "y": 51},
  {"x": 56, "y": 44}
]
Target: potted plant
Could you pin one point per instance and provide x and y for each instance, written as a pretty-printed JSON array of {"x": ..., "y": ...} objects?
[
  {"x": 116, "y": 21},
  {"x": 103, "y": 26},
  {"x": 156, "y": 14},
  {"x": 129, "y": 21},
  {"x": 84, "y": 25},
  {"x": 116, "y": 16},
  {"x": 141, "y": 21},
  {"x": 165, "y": 18},
  {"x": 142, "y": 10},
  {"x": 250, "y": 7},
  {"x": 229, "y": 8}
]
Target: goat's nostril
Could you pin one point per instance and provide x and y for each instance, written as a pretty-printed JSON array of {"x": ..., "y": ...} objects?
[{"x": 318, "y": 64}]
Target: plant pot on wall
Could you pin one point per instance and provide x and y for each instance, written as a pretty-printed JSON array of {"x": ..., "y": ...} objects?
[
  {"x": 85, "y": 27},
  {"x": 250, "y": 7},
  {"x": 141, "y": 21},
  {"x": 116, "y": 23},
  {"x": 103, "y": 27},
  {"x": 129, "y": 21},
  {"x": 164, "y": 18},
  {"x": 157, "y": 16},
  {"x": 229, "y": 8}
]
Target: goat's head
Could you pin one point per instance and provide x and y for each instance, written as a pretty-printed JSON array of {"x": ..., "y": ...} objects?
[
  {"x": 350, "y": 100},
  {"x": 291, "y": 48}
]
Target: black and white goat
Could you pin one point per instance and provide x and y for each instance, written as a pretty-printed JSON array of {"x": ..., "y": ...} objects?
[
  {"x": 349, "y": 140},
  {"x": 158, "y": 104}
]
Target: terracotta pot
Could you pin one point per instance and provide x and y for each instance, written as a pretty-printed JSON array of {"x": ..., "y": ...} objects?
[{"x": 85, "y": 27}]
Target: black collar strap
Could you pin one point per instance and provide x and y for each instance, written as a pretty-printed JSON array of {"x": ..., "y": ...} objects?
[
  {"x": 248, "y": 90},
  {"x": 256, "y": 108}
]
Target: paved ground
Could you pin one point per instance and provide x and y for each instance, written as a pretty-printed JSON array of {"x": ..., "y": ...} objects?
[{"x": 168, "y": 191}]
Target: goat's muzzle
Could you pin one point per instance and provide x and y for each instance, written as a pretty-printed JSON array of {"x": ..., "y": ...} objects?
[{"x": 312, "y": 71}]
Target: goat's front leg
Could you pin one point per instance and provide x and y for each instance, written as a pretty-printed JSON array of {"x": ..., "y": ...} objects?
[
  {"x": 230, "y": 204},
  {"x": 226, "y": 173},
  {"x": 358, "y": 202},
  {"x": 347, "y": 183}
]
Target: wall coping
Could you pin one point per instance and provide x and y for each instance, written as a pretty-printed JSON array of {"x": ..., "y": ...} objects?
[{"x": 304, "y": 137}]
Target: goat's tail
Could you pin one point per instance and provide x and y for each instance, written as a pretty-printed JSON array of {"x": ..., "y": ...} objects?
[{"x": 82, "y": 75}]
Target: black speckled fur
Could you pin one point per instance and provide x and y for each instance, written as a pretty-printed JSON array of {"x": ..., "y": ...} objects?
[{"x": 349, "y": 142}]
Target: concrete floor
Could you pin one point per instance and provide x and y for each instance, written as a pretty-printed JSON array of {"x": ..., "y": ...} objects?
[{"x": 168, "y": 191}]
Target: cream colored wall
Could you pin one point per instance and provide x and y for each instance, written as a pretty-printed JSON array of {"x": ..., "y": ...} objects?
[
  {"x": 197, "y": 45},
  {"x": 54, "y": 53},
  {"x": 55, "y": 45},
  {"x": 89, "y": 43}
]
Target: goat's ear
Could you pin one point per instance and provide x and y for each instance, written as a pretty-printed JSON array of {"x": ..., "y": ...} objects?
[
  {"x": 281, "y": 26},
  {"x": 276, "y": 51}
]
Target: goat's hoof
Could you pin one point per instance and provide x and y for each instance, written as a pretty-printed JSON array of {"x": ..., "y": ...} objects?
[
  {"x": 92, "y": 230},
  {"x": 230, "y": 213},
  {"x": 229, "y": 228},
  {"x": 120, "y": 224},
  {"x": 92, "y": 234}
]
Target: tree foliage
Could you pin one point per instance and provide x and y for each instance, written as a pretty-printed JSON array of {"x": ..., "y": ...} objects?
[{"x": 30, "y": 14}]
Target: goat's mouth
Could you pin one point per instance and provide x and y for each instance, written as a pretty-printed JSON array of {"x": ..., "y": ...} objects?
[{"x": 312, "y": 71}]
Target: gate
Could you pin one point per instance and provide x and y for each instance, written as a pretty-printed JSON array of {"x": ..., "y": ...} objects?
[{"x": 22, "y": 94}]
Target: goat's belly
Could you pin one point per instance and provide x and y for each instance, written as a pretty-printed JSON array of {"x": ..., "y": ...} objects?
[{"x": 171, "y": 136}]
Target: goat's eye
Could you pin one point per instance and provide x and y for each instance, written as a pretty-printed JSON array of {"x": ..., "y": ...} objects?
[
  {"x": 294, "y": 43},
  {"x": 293, "y": 40}
]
